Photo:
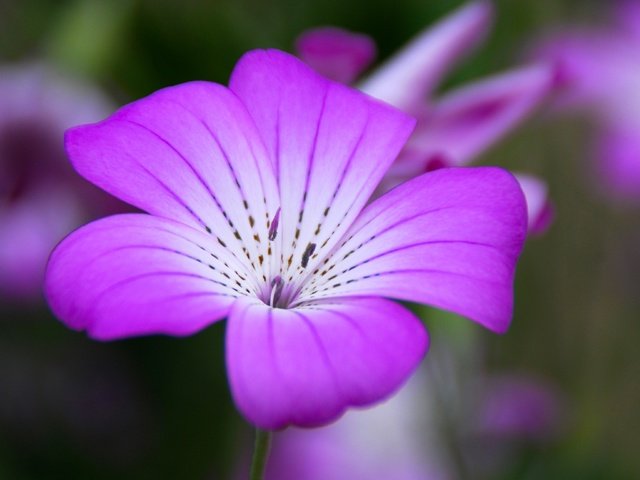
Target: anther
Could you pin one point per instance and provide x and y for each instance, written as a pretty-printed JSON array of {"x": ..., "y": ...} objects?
[
  {"x": 307, "y": 254},
  {"x": 273, "y": 229}
]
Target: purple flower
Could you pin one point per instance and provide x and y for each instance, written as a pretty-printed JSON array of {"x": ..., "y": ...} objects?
[
  {"x": 540, "y": 210},
  {"x": 597, "y": 72},
  {"x": 256, "y": 197},
  {"x": 41, "y": 198},
  {"x": 336, "y": 53},
  {"x": 513, "y": 411},
  {"x": 398, "y": 440},
  {"x": 445, "y": 421},
  {"x": 519, "y": 407},
  {"x": 452, "y": 130}
]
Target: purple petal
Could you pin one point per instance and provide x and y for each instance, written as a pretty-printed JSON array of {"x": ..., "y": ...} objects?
[
  {"x": 449, "y": 238},
  {"x": 409, "y": 77},
  {"x": 540, "y": 210},
  {"x": 137, "y": 274},
  {"x": 627, "y": 15},
  {"x": 306, "y": 366},
  {"x": 30, "y": 229},
  {"x": 41, "y": 198},
  {"x": 397, "y": 440},
  {"x": 335, "y": 53},
  {"x": 411, "y": 163},
  {"x": 466, "y": 122},
  {"x": 190, "y": 153},
  {"x": 35, "y": 91},
  {"x": 592, "y": 68},
  {"x": 330, "y": 146},
  {"x": 618, "y": 162},
  {"x": 519, "y": 407}
]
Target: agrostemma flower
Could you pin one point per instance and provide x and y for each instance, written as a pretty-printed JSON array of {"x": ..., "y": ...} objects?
[{"x": 257, "y": 210}]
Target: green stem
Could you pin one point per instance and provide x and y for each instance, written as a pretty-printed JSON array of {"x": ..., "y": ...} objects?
[{"x": 260, "y": 454}]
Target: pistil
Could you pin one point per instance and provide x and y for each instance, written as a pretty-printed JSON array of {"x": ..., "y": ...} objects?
[{"x": 277, "y": 284}]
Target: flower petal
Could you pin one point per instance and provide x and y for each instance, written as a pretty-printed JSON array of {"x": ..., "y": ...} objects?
[
  {"x": 397, "y": 440},
  {"x": 627, "y": 16},
  {"x": 449, "y": 238},
  {"x": 591, "y": 67},
  {"x": 467, "y": 121},
  {"x": 306, "y": 366},
  {"x": 190, "y": 153},
  {"x": 137, "y": 274},
  {"x": 408, "y": 78},
  {"x": 330, "y": 146},
  {"x": 618, "y": 162},
  {"x": 37, "y": 91},
  {"x": 519, "y": 407},
  {"x": 31, "y": 227},
  {"x": 336, "y": 53},
  {"x": 540, "y": 210}
]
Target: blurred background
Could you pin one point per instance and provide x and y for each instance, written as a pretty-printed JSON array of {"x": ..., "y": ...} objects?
[{"x": 160, "y": 407}]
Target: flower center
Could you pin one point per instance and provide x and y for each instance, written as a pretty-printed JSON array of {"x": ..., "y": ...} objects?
[
  {"x": 281, "y": 290},
  {"x": 279, "y": 294}
]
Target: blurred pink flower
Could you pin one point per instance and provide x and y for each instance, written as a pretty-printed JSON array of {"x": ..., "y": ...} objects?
[
  {"x": 519, "y": 407},
  {"x": 257, "y": 199},
  {"x": 456, "y": 128},
  {"x": 336, "y": 53},
  {"x": 411, "y": 436},
  {"x": 41, "y": 198},
  {"x": 397, "y": 440},
  {"x": 598, "y": 73}
]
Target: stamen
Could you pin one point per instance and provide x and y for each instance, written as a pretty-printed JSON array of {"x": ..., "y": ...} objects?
[
  {"x": 273, "y": 229},
  {"x": 277, "y": 284},
  {"x": 307, "y": 254}
]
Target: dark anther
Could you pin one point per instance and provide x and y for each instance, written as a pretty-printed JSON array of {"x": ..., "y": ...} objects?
[
  {"x": 273, "y": 229},
  {"x": 307, "y": 254}
]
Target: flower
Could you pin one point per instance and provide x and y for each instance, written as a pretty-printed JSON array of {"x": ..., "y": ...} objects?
[
  {"x": 597, "y": 72},
  {"x": 456, "y": 128},
  {"x": 256, "y": 199},
  {"x": 518, "y": 406},
  {"x": 442, "y": 424},
  {"x": 40, "y": 197},
  {"x": 336, "y": 53},
  {"x": 398, "y": 440}
]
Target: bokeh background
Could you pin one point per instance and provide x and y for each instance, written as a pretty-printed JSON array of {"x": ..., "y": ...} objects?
[{"x": 160, "y": 407}]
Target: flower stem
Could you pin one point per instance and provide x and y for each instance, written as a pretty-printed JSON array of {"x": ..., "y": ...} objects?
[{"x": 260, "y": 454}]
